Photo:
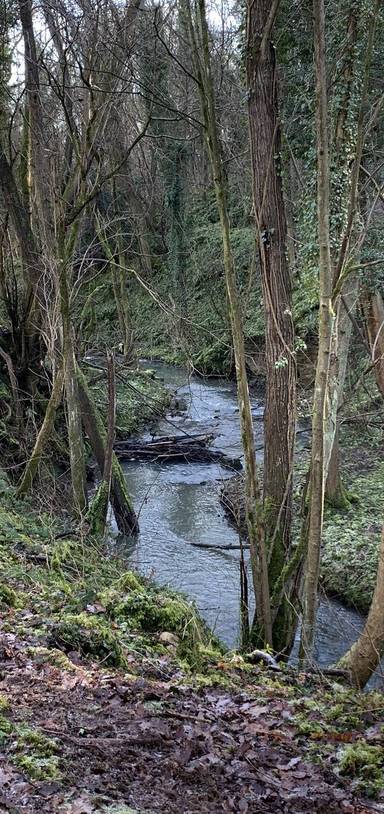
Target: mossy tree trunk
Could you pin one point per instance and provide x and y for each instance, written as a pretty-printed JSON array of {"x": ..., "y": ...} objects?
[
  {"x": 119, "y": 270},
  {"x": 121, "y": 502},
  {"x": 349, "y": 139},
  {"x": 336, "y": 494},
  {"x": 200, "y": 47},
  {"x": 365, "y": 654},
  {"x": 43, "y": 436},
  {"x": 176, "y": 159},
  {"x": 57, "y": 243},
  {"x": 98, "y": 511},
  {"x": 73, "y": 416},
  {"x": 322, "y": 435},
  {"x": 271, "y": 226}
]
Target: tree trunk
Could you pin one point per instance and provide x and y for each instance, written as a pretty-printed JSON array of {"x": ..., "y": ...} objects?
[
  {"x": 336, "y": 494},
  {"x": 57, "y": 246},
  {"x": 199, "y": 39},
  {"x": 75, "y": 432},
  {"x": 322, "y": 435},
  {"x": 373, "y": 309},
  {"x": 365, "y": 654},
  {"x": 98, "y": 511},
  {"x": 43, "y": 436},
  {"x": 280, "y": 407},
  {"x": 126, "y": 519}
]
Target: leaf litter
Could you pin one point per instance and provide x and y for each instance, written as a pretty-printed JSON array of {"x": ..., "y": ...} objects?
[{"x": 136, "y": 744}]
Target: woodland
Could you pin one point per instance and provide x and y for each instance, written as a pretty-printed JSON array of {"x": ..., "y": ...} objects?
[{"x": 191, "y": 406}]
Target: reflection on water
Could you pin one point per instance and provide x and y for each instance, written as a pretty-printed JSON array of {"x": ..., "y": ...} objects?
[{"x": 179, "y": 504}]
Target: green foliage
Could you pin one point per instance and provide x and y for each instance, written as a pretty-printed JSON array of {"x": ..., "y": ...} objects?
[{"x": 8, "y": 596}]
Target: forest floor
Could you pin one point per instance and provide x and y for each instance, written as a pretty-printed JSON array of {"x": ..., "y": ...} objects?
[
  {"x": 114, "y": 698},
  {"x": 111, "y": 742}
]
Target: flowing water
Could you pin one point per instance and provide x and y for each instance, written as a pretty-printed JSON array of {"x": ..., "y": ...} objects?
[{"x": 178, "y": 504}]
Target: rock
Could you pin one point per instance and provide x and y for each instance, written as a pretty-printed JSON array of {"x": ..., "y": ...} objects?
[{"x": 169, "y": 639}]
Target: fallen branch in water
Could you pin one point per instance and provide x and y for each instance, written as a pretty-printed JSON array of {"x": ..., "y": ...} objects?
[
  {"x": 229, "y": 547},
  {"x": 168, "y": 449}
]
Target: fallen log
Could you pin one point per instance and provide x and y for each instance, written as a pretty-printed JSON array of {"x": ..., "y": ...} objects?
[
  {"x": 170, "y": 449},
  {"x": 217, "y": 547}
]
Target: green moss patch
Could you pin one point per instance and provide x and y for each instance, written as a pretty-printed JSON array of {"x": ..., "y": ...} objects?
[
  {"x": 89, "y": 636},
  {"x": 364, "y": 763},
  {"x": 74, "y": 597},
  {"x": 30, "y": 749}
]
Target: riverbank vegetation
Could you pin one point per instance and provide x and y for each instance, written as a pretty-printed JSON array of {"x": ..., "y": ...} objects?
[{"x": 202, "y": 186}]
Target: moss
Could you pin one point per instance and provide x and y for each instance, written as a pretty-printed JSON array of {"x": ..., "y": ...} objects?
[
  {"x": 62, "y": 577},
  {"x": 36, "y": 740},
  {"x": 365, "y": 763},
  {"x": 39, "y": 768},
  {"x": 8, "y": 596},
  {"x": 57, "y": 658},
  {"x": 4, "y": 703},
  {"x": 97, "y": 512},
  {"x": 90, "y": 636},
  {"x": 5, "y": 729},
  {"x": 130, "y": 582}
]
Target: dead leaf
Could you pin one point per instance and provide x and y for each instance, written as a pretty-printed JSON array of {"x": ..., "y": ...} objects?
[{"x": 96, "y": 607}]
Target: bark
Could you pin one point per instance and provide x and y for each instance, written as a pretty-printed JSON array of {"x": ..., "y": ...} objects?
[
  {"x": 98, "y": 512},
  {"x": 373, "y": 309},
  {"x": 14, "y": 386},
  {"x": 321, "y": 431},
  {"x": 365, "y": 654},
  {"x": 75, "y": 433},
  {"x": 41, "y": 177},
  {"x": 199, "y": 39},
  {"x": 345, "y": 283},
  {"x": 336, "y": 494},
  {"x": 176, "y": 158},
  {"x": 280, "y": 408},
  {"x": 43, "y": 437},
  {"x": 121, "y": 502}
]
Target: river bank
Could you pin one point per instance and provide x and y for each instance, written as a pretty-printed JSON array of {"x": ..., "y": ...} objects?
[{"x": 351, "y": 535}]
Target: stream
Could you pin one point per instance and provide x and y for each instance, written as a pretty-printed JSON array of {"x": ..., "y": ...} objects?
[{"x": 178, "y": 503}]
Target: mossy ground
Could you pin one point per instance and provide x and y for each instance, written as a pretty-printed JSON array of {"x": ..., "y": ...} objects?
[{"x": 74, "y": 597}]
